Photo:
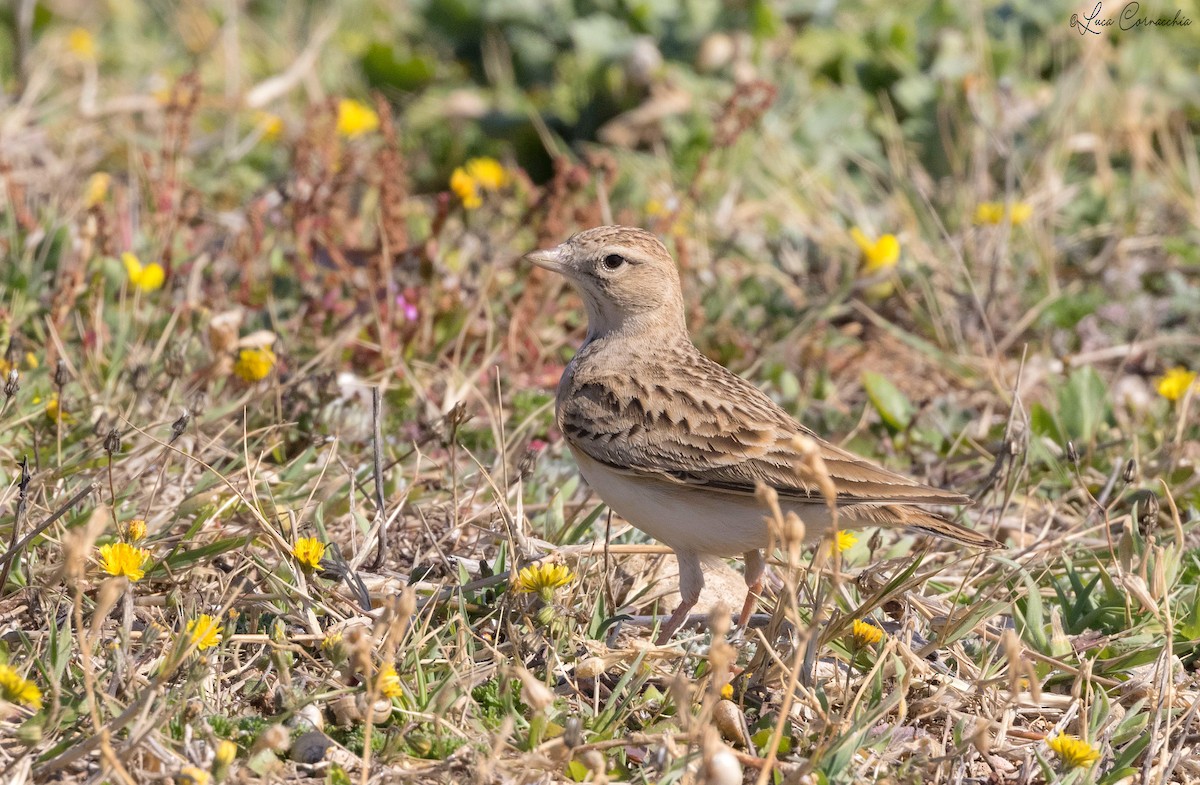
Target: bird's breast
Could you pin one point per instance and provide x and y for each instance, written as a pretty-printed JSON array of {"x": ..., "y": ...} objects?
[{"x": 681, "y": 516}]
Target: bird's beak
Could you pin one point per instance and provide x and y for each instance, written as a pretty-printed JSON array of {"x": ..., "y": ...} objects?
[{"x": 550, "y": 259}]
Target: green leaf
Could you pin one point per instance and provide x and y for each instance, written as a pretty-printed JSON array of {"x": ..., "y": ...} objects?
[
  {"x": 1083, "y": 405},
  {"x": 893, "y": 406},
  {"x": 577, "y": 771},
  {"x": 1190, "y": 628},
  {"x": 1043, "y": 423},
  {"x": 383, "y": 69},
  {"x": 204, "y": 553}
]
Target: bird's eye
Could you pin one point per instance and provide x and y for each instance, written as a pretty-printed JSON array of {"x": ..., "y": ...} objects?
[{"x": 613, "y": 261}]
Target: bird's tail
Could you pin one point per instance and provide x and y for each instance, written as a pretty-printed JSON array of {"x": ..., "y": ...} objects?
[{"x": 906, "y": 517}]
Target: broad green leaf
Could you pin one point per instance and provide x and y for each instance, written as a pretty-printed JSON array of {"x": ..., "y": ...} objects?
[
  {"x": 1083, "y": 405},
  {"x": 893, "y": 406}
]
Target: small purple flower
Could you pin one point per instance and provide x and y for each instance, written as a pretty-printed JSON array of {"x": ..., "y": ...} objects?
[{"x": 411, "y": 314}]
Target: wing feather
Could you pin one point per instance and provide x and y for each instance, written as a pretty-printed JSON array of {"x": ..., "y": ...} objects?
[{"x": 703, "y": 425}]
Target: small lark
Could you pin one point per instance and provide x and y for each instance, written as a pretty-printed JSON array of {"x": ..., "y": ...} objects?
[{"x": 675, "y": 443}]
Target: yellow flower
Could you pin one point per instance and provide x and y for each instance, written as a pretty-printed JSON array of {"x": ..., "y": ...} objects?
[
  {"x": 14, "y": 688},
  {"x": 466, "y": 188},
  {"x": 204, "y": 631},
  {"x": 389, "y": 682},
  {"x": 253, "y": 365},
  {"x": 488, "y": 173},
  {"x": 121, "y": 558},
  {"x": 845, "y": 541},
  {"x": 81, "y": 44},
  {"x": 309, "y": 551},
  {"x": 865, "y": 633},
  {"x": 225, "y": 753},
  {"x": 355, "y": 118},
  {"x": 543, "y": 578},
  {"x": 96, "y": 189},
  {"x": 136, "y": 530},
  {"x": 148, "y": 277},
  {"x": 879, "y": 258},
  {"x": 55, "y": 412},
  {"x": 877, "y": 255},
  {"x": 270, "y": 124},
  {"x": 476, "y": 175},
  {"x": 192, "y": 775},
  {"x": 727, "y": 692},
  {"x": 1073, "y": 751},
  {"x": 993, "y": 213},
  {"x": 1175, "y": 383}
]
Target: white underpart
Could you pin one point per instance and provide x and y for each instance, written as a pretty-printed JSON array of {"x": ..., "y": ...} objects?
[{"x": 692, "y": 518}]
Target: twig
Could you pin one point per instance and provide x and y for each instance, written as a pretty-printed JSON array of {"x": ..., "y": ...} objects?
[
  {"x": 275, "y": 87},
  {"x": 377, "y": 461},
  {"x": 22, "y": 499},
  {"x": 7, "y": 558}
]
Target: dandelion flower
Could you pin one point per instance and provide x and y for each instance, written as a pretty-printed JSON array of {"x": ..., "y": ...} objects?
[
  {"x": 877, "y": 255},
  {"x": 271, "y": 125},
  {"x": 993, "y": 213},
  {"x": 192, "y": 775},
  {"x": 879, "y": 259},
  {"x": 1175, "y": 383},
  {"x": 845, "y": 541},
  {"x": 488, "y": 173},
  {"x": 96, "y": 189},
  {"x": 253, "y": 365},
  {"x": 81, "y": 44},
  {"x": 389, "y": 682},
  {"x": 15, "y": 688},
  {"x": 355, "y": 118},
  {"x": 204, "y": 631},
  {"x": 865, "y": 634},
  {"x": 121, "y": 558},
  {"x": 309, "y": 551},
  {"x": 55, "y": 411},
  {"x": 1073, "y": 751},
  {"x": 543, "y": 578},
  {"x": 465, "y": 187},
  {"x": 145, "y": 277}
]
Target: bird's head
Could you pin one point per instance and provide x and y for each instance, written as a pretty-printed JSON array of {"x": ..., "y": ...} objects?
[{"x": 627, "y": 278}]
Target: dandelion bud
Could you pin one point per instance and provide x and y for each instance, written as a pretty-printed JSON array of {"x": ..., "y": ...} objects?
[
  {"x": 136, "y": 530},
  {"x": 180, "y": 425},
  {"x": 573, "y": 733},
  {"x": 223, "y": 759}
]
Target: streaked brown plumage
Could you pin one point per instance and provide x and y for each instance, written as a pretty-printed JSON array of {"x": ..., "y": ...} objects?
[{"x": 676, "y": 444}]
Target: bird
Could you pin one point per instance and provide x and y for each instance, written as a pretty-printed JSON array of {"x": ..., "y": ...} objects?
[{"x": 677, "y": 444}]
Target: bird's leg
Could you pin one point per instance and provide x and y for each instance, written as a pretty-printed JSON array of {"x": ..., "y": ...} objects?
[
  {"x": 691, "y": 581},
  {"x": 755, "y": 567}
]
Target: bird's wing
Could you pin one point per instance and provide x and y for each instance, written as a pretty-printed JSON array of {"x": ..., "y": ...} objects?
[{"x": 702, "y": 425}]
